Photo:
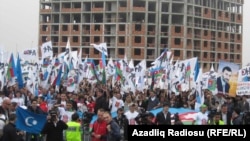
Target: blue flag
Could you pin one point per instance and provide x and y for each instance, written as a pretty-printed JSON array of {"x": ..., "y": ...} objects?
[
  {"x": 19, "y": 73},
  {"x": 30, "y": 122}
]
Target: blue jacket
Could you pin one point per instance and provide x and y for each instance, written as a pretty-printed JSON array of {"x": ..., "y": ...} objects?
[{"x": 114, "y": 134}]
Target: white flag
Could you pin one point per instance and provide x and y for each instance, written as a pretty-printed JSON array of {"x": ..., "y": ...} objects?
[
  {"x": 29, "y": 54},
  {"x": 102, "y": 47},
  {"x": 47, "y": 50}
]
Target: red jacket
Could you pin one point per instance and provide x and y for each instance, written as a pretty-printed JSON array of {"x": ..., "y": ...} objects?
[
  {"x": 91, "y": 107},
  {"x": 44, "y": 107},
  {"x": 100, "y": 128}
]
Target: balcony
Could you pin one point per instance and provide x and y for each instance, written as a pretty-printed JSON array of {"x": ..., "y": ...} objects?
[
  {"x": 150, "y": 45},
  {"x": 140, "y": 9},
  {"x": 55, "y": 43},
  {"x": 164, "y": 45},
  {"x": 123, "y": 8},
  {"x": 151, "y": 32},
  {"x": 164, "y": 33},
  {"x": 85, "y": 43},
  {"x": 150, "y": 57},
  {"x": 75, "y": 32},
  {"x": 97, "y": 9},
  {"x": 197, "y": 48},
  {"x": 86, "y": 32},
  {"x": 71, "y": 10},
  {"x": 121, "y": 44},
  {"x": 43, "y": 11}
]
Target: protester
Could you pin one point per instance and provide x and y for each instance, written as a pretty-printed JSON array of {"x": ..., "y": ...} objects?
[
  {"x": 10, "y": 132},
  {"x": 164, "y": 117},
  {"x": 128, "y": 99},
  {"x": 123, "y": 122},
  {"x": 153, "y": 101},
  {"x": 42, "y": 104},
  {"x": 2, "y": 124},
  {"x": 237, "y": 118},
  {"x": 131, "y": 114},
  {"x": 226, "y": 116},
  {"x": 112, "y": 127},
  {"x": 99, "y": 132},
  {"x": 54, "y": 127},
  {"x": 4, "y": 108},
  {"x": 201, "y": 117},
  {"x": 101, "y": 101},
  {"x": 35, "y": 109}
]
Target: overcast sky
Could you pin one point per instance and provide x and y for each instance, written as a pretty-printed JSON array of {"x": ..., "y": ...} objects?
[{"x": 19, "y": 21}]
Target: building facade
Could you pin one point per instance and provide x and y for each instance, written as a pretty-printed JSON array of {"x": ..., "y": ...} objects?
[{"x": 141, "y": 29}]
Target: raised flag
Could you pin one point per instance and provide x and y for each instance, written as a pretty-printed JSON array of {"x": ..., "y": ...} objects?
[
  {"x": 29, "y": 121},
  {"x": 102, "y": 47},
  {"x": 59, "y": 76},
  {"x": 46, "y": 50},
  {"x": 11, "y": 68},
  {"x": 19, "y": 73},
  {"x": 188, "y": 70}
]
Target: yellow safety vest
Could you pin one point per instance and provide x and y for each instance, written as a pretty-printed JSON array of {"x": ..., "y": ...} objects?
[
  {"x": 73, "y": 133},
  {"x": 221, "y": 122}
]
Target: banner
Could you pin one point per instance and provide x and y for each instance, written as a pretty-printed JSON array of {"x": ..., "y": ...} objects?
[
  {"x": 228, "y": 78},
  {"x": 29, "y": 54},
  {"x": 244, "y": 74},
  {"x": 243, "y": 88}
]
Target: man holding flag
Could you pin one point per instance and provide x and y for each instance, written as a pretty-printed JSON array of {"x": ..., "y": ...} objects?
[{"x": 31, "y": 120}]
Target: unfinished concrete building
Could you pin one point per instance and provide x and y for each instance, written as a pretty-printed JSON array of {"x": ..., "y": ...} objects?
[{"x": 208, "y": 29}]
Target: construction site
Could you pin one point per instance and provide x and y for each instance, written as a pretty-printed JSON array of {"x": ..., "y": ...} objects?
[{"x": 141, "y": 29}]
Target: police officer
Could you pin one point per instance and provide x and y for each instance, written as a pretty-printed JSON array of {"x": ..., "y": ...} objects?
[{"x": 74, "y": 131}]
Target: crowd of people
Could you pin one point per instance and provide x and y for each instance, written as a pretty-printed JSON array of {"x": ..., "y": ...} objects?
[{"x": 103, "y": 100}]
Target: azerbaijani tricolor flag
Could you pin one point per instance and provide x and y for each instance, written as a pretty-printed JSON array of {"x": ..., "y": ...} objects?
[
  {"x": 11, "y": 68},
  {"x": 186, "y": 115}
]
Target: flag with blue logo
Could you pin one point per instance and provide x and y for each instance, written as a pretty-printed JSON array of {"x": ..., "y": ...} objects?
[{"x": 29, "y": 121}]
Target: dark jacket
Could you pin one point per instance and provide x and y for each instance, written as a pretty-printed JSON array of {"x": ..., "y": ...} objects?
[
  {"x": 54, "y": 133},
  {"x": 123, "y": 124},
  {"x": 161, "y": 120},
  {"x": 238, "y": 120},
  {"x": 101, "y": 102},
  {"x": 229, "y": 117},
  {"x": 10, "y": 132},
  {"x": 6, "y": 114},
  {"x": 220, "y": 86},
  {"x": 114, "y": 134},
  {"x": 244, "y": 106},
  {"x": 143, "y": 105},
  {"x": 152, "y": 103},
  {"x": 38, "y": 110}
]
